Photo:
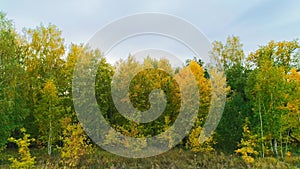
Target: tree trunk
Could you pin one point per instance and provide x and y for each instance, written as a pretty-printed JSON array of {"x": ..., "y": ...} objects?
[
  {"x": 275, "y": 147},
  {"x": 281, "y": 146},
  {"x": 261, "y": 130},
  {"x": 271, "y": 145},
  {"x": 50, "y": 140}
]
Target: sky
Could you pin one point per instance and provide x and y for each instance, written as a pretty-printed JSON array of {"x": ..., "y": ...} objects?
[{"x": 256, "y": 22}]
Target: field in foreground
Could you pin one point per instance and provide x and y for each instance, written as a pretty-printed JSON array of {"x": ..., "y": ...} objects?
[{"x": 175, "y": 158}]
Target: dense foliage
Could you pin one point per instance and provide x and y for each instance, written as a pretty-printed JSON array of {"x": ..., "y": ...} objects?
[{"x": 261, "y": 117}]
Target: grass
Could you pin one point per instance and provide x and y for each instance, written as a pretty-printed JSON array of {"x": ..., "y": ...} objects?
[{"x": 173, "y": 159}]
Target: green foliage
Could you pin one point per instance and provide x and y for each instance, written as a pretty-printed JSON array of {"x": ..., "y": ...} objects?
[
  {"x": 269, "y": 92},
  {"x": 36, "y": 93},
  {"x": 13, "y": 90},
  {"x": 44, "y": 69},
  {"x": 24, "y": 161},
  {"x": 230, "y": 57},
  {"x": 157, "y": 74}
]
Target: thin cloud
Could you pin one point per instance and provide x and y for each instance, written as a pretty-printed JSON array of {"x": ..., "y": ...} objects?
[{"x": 256, "y": 22}]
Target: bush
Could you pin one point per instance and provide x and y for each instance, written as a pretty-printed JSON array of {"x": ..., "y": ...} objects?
[
  {"x": 75, "y": 144},
  {"x": 25, "y": 160},
  {"x": 248, "y": 144}
]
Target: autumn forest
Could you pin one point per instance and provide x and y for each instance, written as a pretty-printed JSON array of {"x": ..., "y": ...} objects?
[{"x": 39, "y": 127}]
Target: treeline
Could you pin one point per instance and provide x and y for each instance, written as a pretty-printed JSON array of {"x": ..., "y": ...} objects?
[{"x": 261, "y": 116}]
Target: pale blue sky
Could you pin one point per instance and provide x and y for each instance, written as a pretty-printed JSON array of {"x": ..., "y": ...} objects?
[{"x": 256, "y": 22}]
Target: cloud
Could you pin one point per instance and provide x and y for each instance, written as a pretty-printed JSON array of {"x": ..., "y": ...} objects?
[{"x": 256, "y": 21}]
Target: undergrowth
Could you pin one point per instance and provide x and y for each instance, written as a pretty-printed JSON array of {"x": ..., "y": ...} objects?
[{"x": 175, "y": 158}]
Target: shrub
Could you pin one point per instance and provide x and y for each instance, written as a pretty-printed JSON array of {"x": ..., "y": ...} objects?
[
  {"x": 25, "y": 160},
  {"x": 248, "y": 144},
  {"x": 133, "y": 131},
  {"x": 75, "y": 144},
  {"x": 194, "y": 142}
]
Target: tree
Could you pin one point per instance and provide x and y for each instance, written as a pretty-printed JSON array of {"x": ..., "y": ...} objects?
[
  {"x": 133, "y": 85},
  {"x": 13, "y": 102},
  {"x": 268, "y": 90},
  {"x": 230, "y": 57},
  {"x": 48, "y": 113},
  {"x": 291, "y": 119},
  {"x": 44, "y": 64},
  {"x": 205, "y": 93}
]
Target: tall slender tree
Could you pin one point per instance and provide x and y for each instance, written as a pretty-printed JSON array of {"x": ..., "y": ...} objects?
[{"x": 13, "y": 102}]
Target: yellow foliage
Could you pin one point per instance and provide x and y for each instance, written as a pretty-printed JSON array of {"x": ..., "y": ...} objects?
[
  {"x": 113, "y": 139},
  {"x": 168, "y": 137},
  {"x": 25, "y": 161},
  {"x": 50, "y": 89},
  {"x": 75, "y": 144},
  {"x": 194, "y": 143},
  {"x": 247, "y": 145}
]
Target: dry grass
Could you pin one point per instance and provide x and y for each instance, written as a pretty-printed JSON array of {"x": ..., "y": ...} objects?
[{"x": 172, "y": 159}]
